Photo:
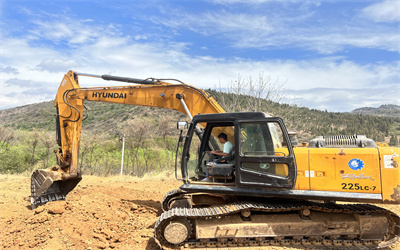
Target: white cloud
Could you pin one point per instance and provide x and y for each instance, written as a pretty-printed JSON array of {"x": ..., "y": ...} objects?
[
  {"x": 56, "y": 64},
  {"x": 346, "y": 100},
  {"x": 260, "y": 24},
  {"x": 216, "y": 22},
  {"x": 19, "y": 52},
  {"x": 36, "y": 60},
  {"x": 257, "y": 2},
  {"x": 18, "y": 92},
  {"x": 8, "y": 69},
  {"x": 125, "y": 57},
  {"x": 385, "y": 11},
  {"x": 284, "y": 28},
  {"x": 14, "y": 82},
  {"x": 62, "y": 29}
]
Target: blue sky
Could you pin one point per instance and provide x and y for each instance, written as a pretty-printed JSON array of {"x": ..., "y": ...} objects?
[{"x": 334, "y": 55}]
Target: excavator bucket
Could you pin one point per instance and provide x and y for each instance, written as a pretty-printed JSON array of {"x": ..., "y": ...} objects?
[{"x": 50, "y": 185}]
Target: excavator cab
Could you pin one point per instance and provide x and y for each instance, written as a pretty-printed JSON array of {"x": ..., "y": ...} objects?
[{"x": 262, "y": 155}]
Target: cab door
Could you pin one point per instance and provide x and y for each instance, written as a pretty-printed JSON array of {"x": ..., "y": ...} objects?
[{"x": 265, "y": 157}]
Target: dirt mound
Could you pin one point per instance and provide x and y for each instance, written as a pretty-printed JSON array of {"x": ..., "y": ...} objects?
[{"x": 100, "y": 213}]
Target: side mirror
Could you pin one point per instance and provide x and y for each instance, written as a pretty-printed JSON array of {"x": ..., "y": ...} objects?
[{"x": 182, "y": 125}]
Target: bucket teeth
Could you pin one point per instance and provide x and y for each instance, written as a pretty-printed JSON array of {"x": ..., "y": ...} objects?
[
  {"x": 46, "y": 185},
  {"x": 43, "y": 190}
]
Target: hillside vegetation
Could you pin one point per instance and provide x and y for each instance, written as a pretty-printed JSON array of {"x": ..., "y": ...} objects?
[
  {"x": 27, "y": 136},
  {"x": 309, "y": 123}
]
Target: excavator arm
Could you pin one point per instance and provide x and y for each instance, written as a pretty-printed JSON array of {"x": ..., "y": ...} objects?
[{"x": 56, "y": 182}]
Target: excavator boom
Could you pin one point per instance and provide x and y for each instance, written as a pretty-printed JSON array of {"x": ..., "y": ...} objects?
[{"x": 56, "y": 182}]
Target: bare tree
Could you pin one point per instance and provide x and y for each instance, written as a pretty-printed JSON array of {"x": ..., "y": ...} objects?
[
  {"x": 33, "y": 141},
  {"x": 265, "y": 88},
  {"x": 89, "y": 142},
  {"x": 237, "y": 88},
  {"x": 6, "y": 137},
  {"x": 164, "y": 129},
  {"x": 247, "y": 94},
  {"x": 48, "y": 142},
  {"x": 138, "y": 131}
]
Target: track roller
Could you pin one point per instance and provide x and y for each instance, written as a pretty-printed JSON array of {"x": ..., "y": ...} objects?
[{"x": 177, "y": 231}]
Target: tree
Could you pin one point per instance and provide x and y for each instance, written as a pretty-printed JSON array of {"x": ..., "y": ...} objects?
[
  {"x": 138, "y": 131},
  {"x": 48, "y": 142},
  {"x": 6, "y": 137},
  {"x": 247, "y": 94},
  {"x": 33, "y": 141},
  {"x": 89, "y": 143},
  {"x": 164, "y": 128},
  {"x": 265, "y": 88},
  {"x": 394, "y": 141}
]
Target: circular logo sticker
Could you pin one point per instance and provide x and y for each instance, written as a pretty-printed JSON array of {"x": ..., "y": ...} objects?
[
  {"x": 264, "y": 165},
  {"x": 356, "y": 164}
]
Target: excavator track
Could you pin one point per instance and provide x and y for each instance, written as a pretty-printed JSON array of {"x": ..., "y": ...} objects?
[
  {"x": 179, "y": 227},
  {"x": 171, "y": 195}
]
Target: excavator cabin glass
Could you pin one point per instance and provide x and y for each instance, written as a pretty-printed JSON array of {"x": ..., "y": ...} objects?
[
  {"x": 265, "y": 156},
  {"x": 262, "y": 139}
]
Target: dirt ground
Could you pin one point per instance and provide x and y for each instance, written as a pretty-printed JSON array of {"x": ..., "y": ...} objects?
[{"x": 100, "y": 213}]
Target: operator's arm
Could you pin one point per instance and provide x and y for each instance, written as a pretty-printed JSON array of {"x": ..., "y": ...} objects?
[{"x": 218, "y": 152}]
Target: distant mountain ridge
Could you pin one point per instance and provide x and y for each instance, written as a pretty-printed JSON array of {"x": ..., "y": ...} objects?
[{"x": 390, "y": 110}]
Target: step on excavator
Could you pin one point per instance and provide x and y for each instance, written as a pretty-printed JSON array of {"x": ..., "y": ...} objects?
[{"x": 267, "y": 190}]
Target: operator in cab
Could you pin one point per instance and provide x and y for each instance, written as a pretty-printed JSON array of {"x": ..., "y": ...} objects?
[
  {"x": 223, "y": 139},
  {"x": 228, "y": 146}
]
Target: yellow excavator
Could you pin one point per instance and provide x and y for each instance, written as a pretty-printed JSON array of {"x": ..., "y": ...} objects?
[{"x": 266, "y": 190}]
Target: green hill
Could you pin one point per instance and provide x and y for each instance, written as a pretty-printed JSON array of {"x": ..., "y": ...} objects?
[
  {"x": 102, "y": 117},
  {"x": 27, "y": 135},
  {"x": 377, "y": 123},
  {"x": 309, "y": 123}
]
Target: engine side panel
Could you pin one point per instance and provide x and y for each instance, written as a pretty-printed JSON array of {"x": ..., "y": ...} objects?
[
  {"x": 390, "y": 172},
  {"x": 303, "y": 168},
  {"x": 345, "y": 170}
]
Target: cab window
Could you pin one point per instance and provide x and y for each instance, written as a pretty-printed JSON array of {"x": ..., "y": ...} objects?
[
  {"x": 199, "y": 155},
  {"x": 262, "y": 140}
]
